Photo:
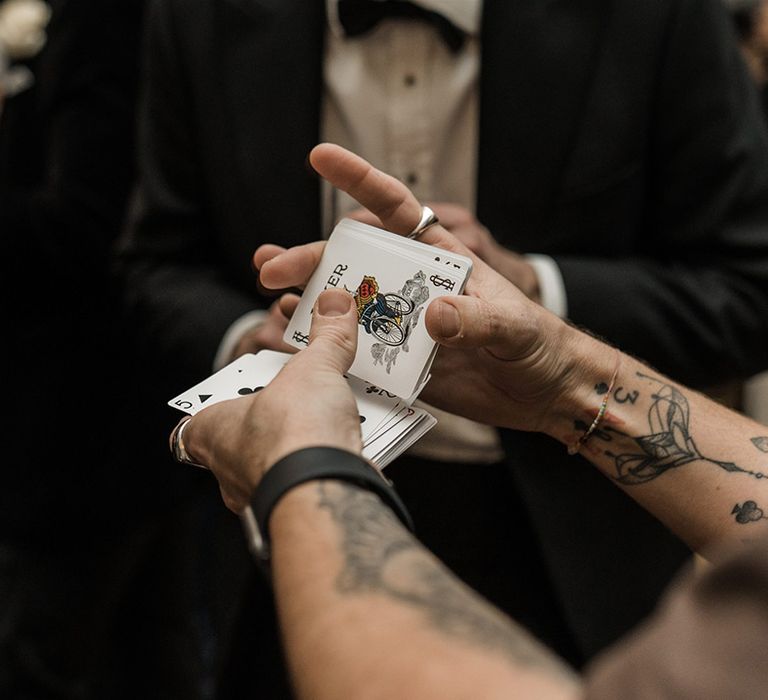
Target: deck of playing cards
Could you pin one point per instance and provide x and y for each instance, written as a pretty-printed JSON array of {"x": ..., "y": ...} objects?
[
  {"x": 392, "y": 280},
  {"x": 388, "y": 426}
]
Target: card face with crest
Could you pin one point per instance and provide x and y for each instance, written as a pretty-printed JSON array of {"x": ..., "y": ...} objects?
[{"x": 392, "y": 279}]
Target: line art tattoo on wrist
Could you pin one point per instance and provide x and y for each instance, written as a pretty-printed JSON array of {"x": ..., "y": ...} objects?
[{"x": 669, "y": 445}]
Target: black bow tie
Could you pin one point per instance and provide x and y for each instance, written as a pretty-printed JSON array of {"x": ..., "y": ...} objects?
[{"x": 360, "y": 16}]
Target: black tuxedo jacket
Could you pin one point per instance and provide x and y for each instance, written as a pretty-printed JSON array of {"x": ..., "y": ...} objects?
[
  {"x": 622, "y": 137},
  {"x": 66, "y": 167}
]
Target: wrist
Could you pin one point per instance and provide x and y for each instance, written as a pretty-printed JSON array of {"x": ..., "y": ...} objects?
[
  {"x": 317, "y": 463},
  {"x": 533, "y": 288},
  {"x": 586, "y": 384}
]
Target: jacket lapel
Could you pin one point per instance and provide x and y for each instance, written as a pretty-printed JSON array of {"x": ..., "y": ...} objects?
[
  {"x": 535, "y": 79},
  {"x": 273, "y": 48}
]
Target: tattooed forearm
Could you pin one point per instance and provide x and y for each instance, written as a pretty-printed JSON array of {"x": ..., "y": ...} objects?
[
  {"x": 381, "y": 557},
  {"x": 669, "y": 443},
  {"x": 748, "y": 512},
  {"x": 761, "y": 443}
]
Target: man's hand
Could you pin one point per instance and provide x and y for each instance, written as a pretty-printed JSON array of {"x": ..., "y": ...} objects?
[
  {"x": 503, "y": 360},
  {"x": 308, "y": 404},
  {"x": 268, "y": 334},
  {"x": 513, "y": 266},
  {"x": 463, "y": 224}
]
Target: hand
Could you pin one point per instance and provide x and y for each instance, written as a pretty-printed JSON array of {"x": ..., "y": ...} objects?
[
  {"x": 463, "y": 224},
  {"x": 505, "y": 360},
  {"x": 269, "y": 333},
  {"x": 308, "y": 404}
]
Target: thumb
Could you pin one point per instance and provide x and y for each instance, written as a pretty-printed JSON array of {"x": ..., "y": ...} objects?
[
  {"x": 333, "y": 333},
  {"x": 470, "y": 322}
]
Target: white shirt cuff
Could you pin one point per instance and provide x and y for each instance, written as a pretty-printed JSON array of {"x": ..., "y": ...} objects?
[
  {"x": 551, "y": 285},
  {"x": 232, "y": 337}
]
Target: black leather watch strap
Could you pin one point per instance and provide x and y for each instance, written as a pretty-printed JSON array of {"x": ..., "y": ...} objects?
[{"x": 319, "y": 463}]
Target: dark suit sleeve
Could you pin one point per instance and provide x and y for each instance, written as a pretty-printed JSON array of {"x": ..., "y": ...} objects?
[
  {"x": 694, "y": 300},
  {"x": 177, "y": 298},
  {"x": 59, "y": 225}
]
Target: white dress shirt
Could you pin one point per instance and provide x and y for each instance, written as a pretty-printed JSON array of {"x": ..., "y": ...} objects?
[{"x": 402, "y": 100}]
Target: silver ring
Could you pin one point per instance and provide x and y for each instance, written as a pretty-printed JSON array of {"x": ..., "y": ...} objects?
[
  {"x": 178, "y": 450},
  {"x": 428, "y": 218}
]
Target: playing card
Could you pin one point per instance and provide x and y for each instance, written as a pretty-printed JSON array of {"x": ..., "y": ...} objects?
[
  {"x": 442, "y": 259},
  {"x": 388, "y": 427},
  {"x": 373, "y": 405},
  {"x": 402, "y": 431},
  {"x": 246, "y": 375},
  {"x": 252, "y": 372},
  {"x": 392, "y": 281}
]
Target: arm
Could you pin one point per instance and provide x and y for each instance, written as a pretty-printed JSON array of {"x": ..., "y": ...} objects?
[
  {"x": 698, "y": 467},
  {"x": 357, "y": 592},
  {"x": 706, "y": 640},
  {"x": 687, "y": 460},
  {"x": 365, "y": 610},
  {"x": 688, "y": 279},
  {"x": 175, "y": 286},
  {"x": 694, "y": 298}
]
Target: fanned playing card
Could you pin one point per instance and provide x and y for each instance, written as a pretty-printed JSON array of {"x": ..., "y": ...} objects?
[
  {"x": 392, "y": 279},
  {"x": 388, "y": 426},
  {"x": 385, "y": 421}
]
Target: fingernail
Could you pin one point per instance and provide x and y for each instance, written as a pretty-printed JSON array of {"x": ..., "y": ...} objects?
[
  {"x": 450, "y": 321},
  {"x": 333, "y": 303}
]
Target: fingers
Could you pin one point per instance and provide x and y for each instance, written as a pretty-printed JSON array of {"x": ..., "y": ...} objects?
[
  {"x": 365, "y": 217},
  {"x": 333, "y": 333},
  {"x": 391, "y": 205},
  {"x": 452, "y": 215},
  {"x": 288, "y": 304},
  {"x": 283, "y": 269},
  {"x": 385, "y": 196},
  {"x": 266, "y": 252},
  {"x": 471, "y": 322}
]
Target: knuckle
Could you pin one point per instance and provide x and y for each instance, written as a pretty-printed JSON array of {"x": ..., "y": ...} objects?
[{"x": 494, "y": 323}]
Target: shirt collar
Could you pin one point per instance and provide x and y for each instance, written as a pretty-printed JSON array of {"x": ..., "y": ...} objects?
[{"x": 465, "y": 14}]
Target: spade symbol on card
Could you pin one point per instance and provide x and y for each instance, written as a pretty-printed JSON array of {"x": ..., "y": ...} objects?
[{"x": 204, "y": 397}]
